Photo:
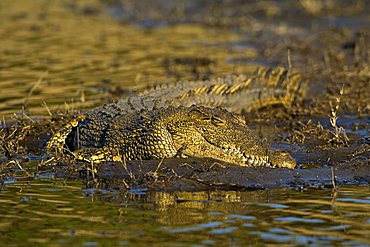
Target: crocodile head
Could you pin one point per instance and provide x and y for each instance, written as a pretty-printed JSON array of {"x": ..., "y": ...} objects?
[{"x": 216, "y": 133}]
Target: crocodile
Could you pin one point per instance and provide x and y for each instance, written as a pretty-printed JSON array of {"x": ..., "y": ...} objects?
[{"x": 185, "y": 119}]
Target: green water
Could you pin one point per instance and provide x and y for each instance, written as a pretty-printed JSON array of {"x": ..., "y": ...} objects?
[{"x": 72, "y": 55}]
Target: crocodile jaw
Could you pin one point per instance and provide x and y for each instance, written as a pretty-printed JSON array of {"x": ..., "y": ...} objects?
[
  {"x": 273, "y": 158},
  {"x": 270, "y": 158},
  {"x": 195, "y": 133}
]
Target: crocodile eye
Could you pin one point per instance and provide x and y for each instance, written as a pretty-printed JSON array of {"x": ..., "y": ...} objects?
[
  {"x": 217, "y": 121},
  {"x": 198, "y": 112},
  {"x": 239, "y": 118}
]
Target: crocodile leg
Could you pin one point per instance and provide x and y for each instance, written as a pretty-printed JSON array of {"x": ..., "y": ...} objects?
[{"x": 56, "y": 145}]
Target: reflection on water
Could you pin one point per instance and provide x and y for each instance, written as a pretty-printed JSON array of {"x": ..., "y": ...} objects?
[
  {"x": 58, "y": 212},
  {"x": 53, "y": 52}
]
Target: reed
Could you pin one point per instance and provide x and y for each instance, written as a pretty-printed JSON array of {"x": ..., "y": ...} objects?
[{"x": 338, "y": 133}]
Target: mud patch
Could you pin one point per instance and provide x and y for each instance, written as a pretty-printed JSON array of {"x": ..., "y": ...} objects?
[{"x": 207, "y": 174}]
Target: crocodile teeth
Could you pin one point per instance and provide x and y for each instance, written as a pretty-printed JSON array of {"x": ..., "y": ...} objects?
[
  {"x": 250, "y": 160},
  {"x": 256, "y": 161}
]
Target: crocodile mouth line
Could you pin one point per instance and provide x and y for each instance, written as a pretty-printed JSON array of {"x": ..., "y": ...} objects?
[{"x": 247, "y": 159}]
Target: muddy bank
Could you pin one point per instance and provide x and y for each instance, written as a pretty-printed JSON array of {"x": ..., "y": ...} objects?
[
  {"x": 207, "y": 174},
  {"x": 324, "y": 160}
]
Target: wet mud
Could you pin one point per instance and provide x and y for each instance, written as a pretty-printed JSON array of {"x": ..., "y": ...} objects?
[{"x": 207, "y": 174}]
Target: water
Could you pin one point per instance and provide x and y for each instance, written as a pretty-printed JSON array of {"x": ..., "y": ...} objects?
[
  {"x": 54, "y": 56},
  {"x": 58, "y": 212},
  {"x": 61, "y": 56}
]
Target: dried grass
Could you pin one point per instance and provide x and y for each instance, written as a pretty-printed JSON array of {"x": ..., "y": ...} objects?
[{"x": 338, "y": 133}]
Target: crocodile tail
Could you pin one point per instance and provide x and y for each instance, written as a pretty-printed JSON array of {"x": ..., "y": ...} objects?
[
  {"x": 275, "y": 86},
  {"x": 264, "y": 87}
]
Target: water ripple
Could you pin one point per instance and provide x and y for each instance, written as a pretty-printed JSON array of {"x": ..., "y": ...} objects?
[
  {"x": 196, "y": 227},
  {"x": 295, "y": 219}
]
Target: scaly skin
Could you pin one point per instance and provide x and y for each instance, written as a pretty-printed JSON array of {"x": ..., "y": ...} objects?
[
  {"x": 161, "y": 123},
  {"x": 235, "y": 93},
  {"x": 194, "y": 131}
]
